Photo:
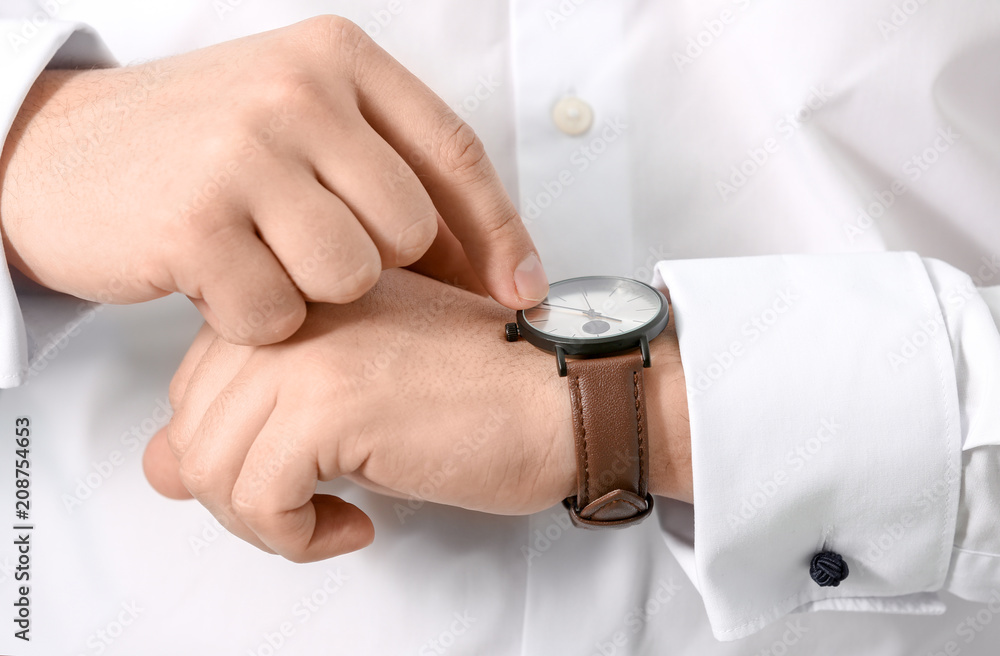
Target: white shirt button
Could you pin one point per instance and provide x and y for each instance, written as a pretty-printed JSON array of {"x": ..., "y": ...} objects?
[{"x": 572, "y": 115}]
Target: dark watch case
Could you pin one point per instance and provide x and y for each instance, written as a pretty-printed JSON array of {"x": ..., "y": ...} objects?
[{"x": 600, "y": 346}]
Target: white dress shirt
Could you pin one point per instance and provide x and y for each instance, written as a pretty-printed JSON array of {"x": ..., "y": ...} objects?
[{"x": 842, "y": 383}]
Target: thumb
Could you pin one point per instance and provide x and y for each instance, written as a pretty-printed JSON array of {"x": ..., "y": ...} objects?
[{"x": 162, "y": 468}]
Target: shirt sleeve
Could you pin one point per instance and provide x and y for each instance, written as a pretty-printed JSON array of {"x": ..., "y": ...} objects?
[
  {"x": 31, "y": 41},
  {"x": 840, "y": 404}
]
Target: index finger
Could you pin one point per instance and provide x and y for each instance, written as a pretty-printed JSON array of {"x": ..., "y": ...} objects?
[
  {"x": 275, "y": 494},
  {"x": 195, "y": 352},
  {"x": 451, "y": 162}
]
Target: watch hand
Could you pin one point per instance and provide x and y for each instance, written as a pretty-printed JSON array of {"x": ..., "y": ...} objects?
[
  {"x": 589, "y": 315},
  {"x": 587, "y": 301},
  {"x": 564, "y": 307}
]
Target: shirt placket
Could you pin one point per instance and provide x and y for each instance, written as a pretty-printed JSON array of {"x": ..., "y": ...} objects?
[{"x": 569, "y": 61}]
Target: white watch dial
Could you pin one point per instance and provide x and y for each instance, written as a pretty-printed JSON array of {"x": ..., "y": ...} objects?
[{"x": 594, "y": 308}]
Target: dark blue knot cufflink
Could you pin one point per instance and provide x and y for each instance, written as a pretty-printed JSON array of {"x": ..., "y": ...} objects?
[{"x": 828, "y": 569}]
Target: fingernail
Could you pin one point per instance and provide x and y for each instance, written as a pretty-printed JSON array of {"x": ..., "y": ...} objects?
[{"x": 530, "y": 280}]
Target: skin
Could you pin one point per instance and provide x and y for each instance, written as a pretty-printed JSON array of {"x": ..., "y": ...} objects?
[
  {"x": 254, "y": 176},
  {"x": 283, "y": 171},
  {"x": 389, "y": 392}
]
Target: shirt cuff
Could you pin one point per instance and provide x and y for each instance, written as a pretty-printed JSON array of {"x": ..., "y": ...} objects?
[
  {"x": 825, "y": 417},
  {"x": 31, "y": 46},
  {"x": 975, "y": 567}
]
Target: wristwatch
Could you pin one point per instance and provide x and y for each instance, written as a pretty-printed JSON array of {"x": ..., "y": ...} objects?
[{"x": 599, "y": 328}]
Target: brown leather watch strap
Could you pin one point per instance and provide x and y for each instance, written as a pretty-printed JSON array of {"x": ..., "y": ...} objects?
[{"x": 612, "y": 450}]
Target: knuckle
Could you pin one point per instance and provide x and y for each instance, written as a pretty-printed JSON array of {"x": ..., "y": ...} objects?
[
  {"x": 213, "y": 182},
  {"x": 287, "y": 319},
  {"x": 330, "y": 267},
  {"x": 461, "y": 150},
  {"x": 246, "y": 503},
  {"x": 272, "y": 317},
  {"x": 359, "y": 277},
  {"x": 323, "y": 377},
  {"x": 337, "y": 36},
  {"x": 215, "y": 151},
  {"x": 414, "y": 240},
  {"x": 250, "y": 500},
  {"x": 330, "y": 27},
  {"x": 501, "y": 222},
  {"x": 203, "y": 228},
  {"x": 178, "y": 437},
  {"x": 227, "y": 404},
  {"x": 195, "y": 474},
  {"x": 287, "y": 92}
]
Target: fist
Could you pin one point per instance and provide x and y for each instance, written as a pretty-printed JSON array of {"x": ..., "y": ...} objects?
[
  {"x": 411, "y": 391},
  {"x": 254, "y": 176}
]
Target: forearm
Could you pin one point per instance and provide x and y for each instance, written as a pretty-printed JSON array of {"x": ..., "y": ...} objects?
[{"x": 57, "y": 42}]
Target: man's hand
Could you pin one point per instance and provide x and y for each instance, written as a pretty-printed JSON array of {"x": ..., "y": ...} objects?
[
  {"x": 410, "y": 391},
  {"x": 253, "y": 176}
]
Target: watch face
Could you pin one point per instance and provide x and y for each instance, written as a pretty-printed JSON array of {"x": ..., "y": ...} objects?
[{"x": 595, "y": 308}]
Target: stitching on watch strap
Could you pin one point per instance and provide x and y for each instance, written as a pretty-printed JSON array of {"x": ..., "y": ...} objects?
[
  {"x": 638, "y": 422},
  {"x": 578, "y": 402}
]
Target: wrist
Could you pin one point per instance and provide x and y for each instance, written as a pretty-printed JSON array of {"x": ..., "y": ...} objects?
[
  {"x": 26, "y": 162},
  {"x": 667, "y": 416},
  {"x": 553, "y": 402}
]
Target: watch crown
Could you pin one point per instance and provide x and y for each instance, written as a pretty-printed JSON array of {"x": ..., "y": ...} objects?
[{"x": 511, "y": 331}]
